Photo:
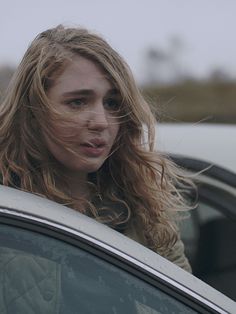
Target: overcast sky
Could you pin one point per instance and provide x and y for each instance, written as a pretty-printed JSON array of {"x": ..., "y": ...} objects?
[{"x": 206, "y": 27}]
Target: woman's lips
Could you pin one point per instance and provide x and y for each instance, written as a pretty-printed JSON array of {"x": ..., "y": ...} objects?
[{"x": 93, "y": 150}]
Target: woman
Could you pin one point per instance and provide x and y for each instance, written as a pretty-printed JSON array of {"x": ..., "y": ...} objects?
[{"x": 72, "y": 130}]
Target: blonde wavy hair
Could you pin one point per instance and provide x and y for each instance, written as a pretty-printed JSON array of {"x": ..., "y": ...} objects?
[{"x": 147, "y": 184}]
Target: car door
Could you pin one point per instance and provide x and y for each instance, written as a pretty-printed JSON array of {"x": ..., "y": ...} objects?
[
  {"x": 54, "y": 260},
  {"x": 210, "y": 231}
]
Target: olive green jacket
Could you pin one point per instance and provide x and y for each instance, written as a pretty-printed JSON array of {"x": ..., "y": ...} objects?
[{"x": 175, "y": 254}]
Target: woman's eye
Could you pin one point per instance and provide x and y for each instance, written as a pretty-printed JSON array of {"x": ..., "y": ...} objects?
[
  {"x": 112, "y": 104},
  {"x": 76, "y": 103}
]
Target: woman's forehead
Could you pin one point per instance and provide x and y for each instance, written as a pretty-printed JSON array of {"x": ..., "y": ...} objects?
[{"x": 82, "y": 74}]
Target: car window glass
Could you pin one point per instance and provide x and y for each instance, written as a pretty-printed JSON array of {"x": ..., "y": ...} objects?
[
  {"x": 191, "y": 227},
  {"x": 41, "y": 274},
  {"x": 207, "y": 213},
  {"x": 209, "y": 238}
]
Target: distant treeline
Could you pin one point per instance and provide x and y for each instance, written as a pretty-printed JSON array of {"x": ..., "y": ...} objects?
[{"x": 209, "y": 101}]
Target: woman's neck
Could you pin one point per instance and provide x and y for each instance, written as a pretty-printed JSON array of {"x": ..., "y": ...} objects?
[{"x": 77, "y": 185}]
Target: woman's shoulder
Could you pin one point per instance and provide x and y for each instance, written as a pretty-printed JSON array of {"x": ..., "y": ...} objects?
[
  {"x": 174, "y": 254},
  {"x": 133, "y": 231}
]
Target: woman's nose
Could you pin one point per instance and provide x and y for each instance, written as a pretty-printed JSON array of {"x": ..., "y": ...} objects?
[{"x": 98, "y": 119}]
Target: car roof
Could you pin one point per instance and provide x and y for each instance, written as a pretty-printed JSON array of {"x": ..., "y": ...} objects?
[
  {"x": 215, "y": 143},
  {"x": 18, "y": 203}
]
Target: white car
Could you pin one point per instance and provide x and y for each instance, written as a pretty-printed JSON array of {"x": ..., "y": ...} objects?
[
  {"x": 209, "y": 234},
  {"x": 55, "y": 260},
  {"x": 214, "y": 143}
]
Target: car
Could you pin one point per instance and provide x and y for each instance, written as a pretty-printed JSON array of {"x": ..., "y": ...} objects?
[
  {"x": 208, "y": 153},
  {"x": 210, "y": 230},
  {"x": 56, "y": 260},
  {"x": 214, "y": 143}
]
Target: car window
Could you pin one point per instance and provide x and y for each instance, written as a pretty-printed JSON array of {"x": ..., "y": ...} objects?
[
  {"x": 41, "y": 274},
  {"x": 209, "y": 238},
  {"x": 191, "y": 227}
]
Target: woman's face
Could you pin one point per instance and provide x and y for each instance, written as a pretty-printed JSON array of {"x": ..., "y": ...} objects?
[{"x": 84, "y": 91}]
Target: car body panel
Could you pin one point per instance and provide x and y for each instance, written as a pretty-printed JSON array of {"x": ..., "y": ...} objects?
[
  {"x": 215, "y": 143},
  {"x": 22, "y": 205}
]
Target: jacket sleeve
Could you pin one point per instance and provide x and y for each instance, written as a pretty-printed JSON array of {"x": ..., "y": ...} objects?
[{"x": 177, "y": 256}]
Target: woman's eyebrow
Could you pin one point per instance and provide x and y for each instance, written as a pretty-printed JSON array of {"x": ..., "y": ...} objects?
[
  {"x": 113, "y": 92},
  {"x": 79, "y": 92},
  {"x": 89, "y": 92}
]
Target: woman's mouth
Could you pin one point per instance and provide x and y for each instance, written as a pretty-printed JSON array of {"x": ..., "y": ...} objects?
[{"x": 93, "y": 148}]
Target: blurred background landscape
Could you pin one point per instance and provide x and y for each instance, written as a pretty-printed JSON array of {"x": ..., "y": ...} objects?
[{"x": 181, "y": 54}]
